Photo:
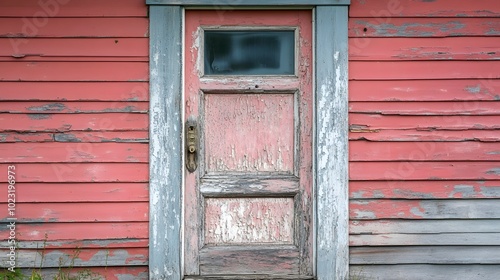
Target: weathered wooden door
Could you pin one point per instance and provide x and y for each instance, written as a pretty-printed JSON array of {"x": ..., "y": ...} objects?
[{"x": 248, "y": 178}]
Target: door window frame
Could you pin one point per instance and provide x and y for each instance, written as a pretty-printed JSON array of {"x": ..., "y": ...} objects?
[{"x": 330, "y": 145}]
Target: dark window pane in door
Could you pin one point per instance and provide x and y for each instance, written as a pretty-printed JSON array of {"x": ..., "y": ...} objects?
[{"x": 249, "y": 52}]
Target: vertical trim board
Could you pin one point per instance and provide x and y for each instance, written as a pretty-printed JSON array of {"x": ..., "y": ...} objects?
[
  {"x": 332, "y": 255},
  {"x": 165, "y": 245}
]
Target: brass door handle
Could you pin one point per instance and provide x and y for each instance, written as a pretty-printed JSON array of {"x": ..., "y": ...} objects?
[{"x": 191, "y": 145}]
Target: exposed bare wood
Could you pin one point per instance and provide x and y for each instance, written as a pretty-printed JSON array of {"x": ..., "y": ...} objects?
[
  {"x": 424, "y": 226},
  {"x": 442, "y": 239},
  {"x": 423, "y": 271},
  {"x": 425, "y": 209},
  {"x": 466, "y": 255}
]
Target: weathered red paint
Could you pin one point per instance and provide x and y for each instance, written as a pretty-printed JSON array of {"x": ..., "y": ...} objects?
[
  {"x": 70, "y": 49},
  {"x": 452, "y": 48},
  {"x": 74, "y": 71},
  {"x": 412, "y": 8},
  {"x": 74, "y": 152},
  {"x": 424, "y": 122},
  {"x": 423, "y": 151},
  {"x": 74, "y": 27},
  {"x": 404, "y": 170},
  {"x": 74, "y": 8},
  {"x": 76, "y": 233},
  {"x": 423, "y": 27},
  {"x": 424, "y": 135},
  {"x": 426, "y": 108},
  {"x": 73, "y": 107},
  {"x": 78, "y": 172},
  {"x": 425, "y": 90},
  {"x": 81, "y": 192},
  {"x": 74, "y": 91},
  {"x": 424, "y": 189},
  {"x": 63, "y": 212},
  {"x": 63, "y": 123},
  {"x": 424, "y": 70}
]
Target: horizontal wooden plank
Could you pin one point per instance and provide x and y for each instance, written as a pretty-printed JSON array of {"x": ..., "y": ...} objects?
[
  {"x": 69, "y": 122},
  {"x": 376, "y": 122},
  {"x": 422, "y": 8},
  {"x": 83, "y": 243},
  {"x": 253, "y": 186},
  {"x": 424, "y": 271},
  {"x": 37, "y": 59},
  {"x": 81, "y": 192},
  {"x": 78, "y": 172},
  {"x": 423, "y": 70},
  {"x": 80, "y": 257},
  {"x": 423, "y": 135},
  {"x": 442, "y": 239},
  {"x": 74, "y": 91},
  {"x": 73, "y": 152},
  {"x": 423, "y": 27},
  {"x": 423, "y": 151},
  {"x": 77, "y": 136},
  {"x": 459, "y": 48},
  {"x": 74, "y": 8},
  {"x": 249, "y": 260},
  {"x": 423, "y": 226},
  {"x": 425, "y": 108},
  {"x": 73, "y": 107},
  {"x": 424, "y": 171},
  {"x": 20, "y": 29},
  {"x": 108, "y": 273},
  {"x": 424, "y": 189},
  {"x": 79, "y": 232},
  {"x": 425, "y": 209},
  {"x": 426, "y": 255},
  {"x": 75, "y": 47},
  {"x": 74, "y": 71},
  {"x": 424, "y": 90},
  {"x": 64, "y": 212}
]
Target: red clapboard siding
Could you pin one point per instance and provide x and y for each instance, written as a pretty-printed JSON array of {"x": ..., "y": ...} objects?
[
  {"x": 425, "y": 209},
  {"x": 73, "y": 152},
  {"x": 68, "y": 122},
  {"x": 428, "y": 70},
  {"x": 426, "y": 108},
  {"x": 84, "y": 243},
  {"x": 81, "y": 192},
  {"x": 460, "y": 48},
  {"x": 22, "y": 28},
  {"x": 73, "y": 107},
  {"x": 76, "y": 136},
  {"x": 374, "y": 122},
  {"x": 79, "y": 212},
  {"x": 423, "y": 171},
  {"x": 73, "y": 8},
  {"x": 47, "y": 48},
  {"x": 424, "y": 90},
  {"x": 422, "y": 8},
  {"x": 424, "y": 189},
  {"x": 425, "y": 135},
  {"x": 74, "y": 91},
  {"x": 423, "y": 151},
  {"x": 74, "y": 71},
  {"x": 82, "y": 231},
  {"x": 78, "y": 172},
  {"x": 423, "y": 27},
  {"x": 58, "y": 258}
]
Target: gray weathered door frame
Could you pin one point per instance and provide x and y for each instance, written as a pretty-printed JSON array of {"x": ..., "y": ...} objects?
[{"x": 330, "y": 145}]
